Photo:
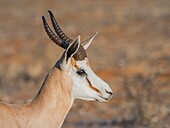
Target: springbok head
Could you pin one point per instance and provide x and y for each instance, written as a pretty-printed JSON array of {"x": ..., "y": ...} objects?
[{"x": 86, "y": 84}]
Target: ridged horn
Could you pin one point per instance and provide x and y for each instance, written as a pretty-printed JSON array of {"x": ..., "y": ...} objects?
[
  {"x": 61, "y": 38},
  {"x": 58, "y": 30},
  {"x": 53, "y": 36}
]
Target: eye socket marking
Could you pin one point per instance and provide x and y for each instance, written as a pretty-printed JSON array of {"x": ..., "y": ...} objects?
[{"x": 81, "y": 72}]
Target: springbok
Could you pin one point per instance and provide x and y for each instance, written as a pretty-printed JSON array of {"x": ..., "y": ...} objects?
[{"x": 71, "y": 78}]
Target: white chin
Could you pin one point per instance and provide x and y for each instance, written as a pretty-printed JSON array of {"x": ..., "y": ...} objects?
[
  {"x": 99, "y": 99},
  {"x": 87, "y": 99},
  {"x": 102, "y": 99}
]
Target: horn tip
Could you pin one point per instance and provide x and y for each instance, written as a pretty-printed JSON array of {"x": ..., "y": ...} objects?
[
  {"x": 50, "y": 12},
  {"x": 96, "y": 33},
  {"x": 43, "y": 18}
]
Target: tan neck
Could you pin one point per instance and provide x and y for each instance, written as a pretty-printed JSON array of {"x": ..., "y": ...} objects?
[{"x": 53, "y": 101}]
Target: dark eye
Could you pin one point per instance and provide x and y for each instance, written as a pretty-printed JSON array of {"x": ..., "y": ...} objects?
[{"x": 81, "y": 72}]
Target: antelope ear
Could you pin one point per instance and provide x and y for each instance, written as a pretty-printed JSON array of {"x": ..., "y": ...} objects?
[
  {"x": 87, "y": 42},
  {"x": 72, "y": 48},
  {"x": 70, "y": 52}
]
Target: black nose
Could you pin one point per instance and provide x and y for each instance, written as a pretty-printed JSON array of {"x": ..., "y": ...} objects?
[{"x": 111, "y": 93}]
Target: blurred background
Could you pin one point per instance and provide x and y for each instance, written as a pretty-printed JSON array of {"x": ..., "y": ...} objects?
[{"x": 131, "y": 53}]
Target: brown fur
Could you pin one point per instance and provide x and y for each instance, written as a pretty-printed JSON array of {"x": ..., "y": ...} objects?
[
  {"x": 47, "y": 110},
  {"x": 73, "y": 61}
]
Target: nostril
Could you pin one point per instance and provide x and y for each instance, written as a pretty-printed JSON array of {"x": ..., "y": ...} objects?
[{"x": 111, "y": 93}]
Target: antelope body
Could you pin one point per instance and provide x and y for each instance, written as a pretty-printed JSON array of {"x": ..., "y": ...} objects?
[{"x": 71, "y": 78}]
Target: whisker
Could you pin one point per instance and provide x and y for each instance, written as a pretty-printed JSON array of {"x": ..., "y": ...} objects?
[{"x": 122, "y": 106}]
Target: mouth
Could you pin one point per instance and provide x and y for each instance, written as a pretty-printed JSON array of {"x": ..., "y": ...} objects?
[{"x": 103, "y": 99}]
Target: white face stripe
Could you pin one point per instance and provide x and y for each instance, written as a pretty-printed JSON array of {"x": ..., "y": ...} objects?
[{"x": 90, "y": 86}]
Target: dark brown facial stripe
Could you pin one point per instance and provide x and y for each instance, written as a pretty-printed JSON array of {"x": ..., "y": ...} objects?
[{"x": 91, "y": 86}]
